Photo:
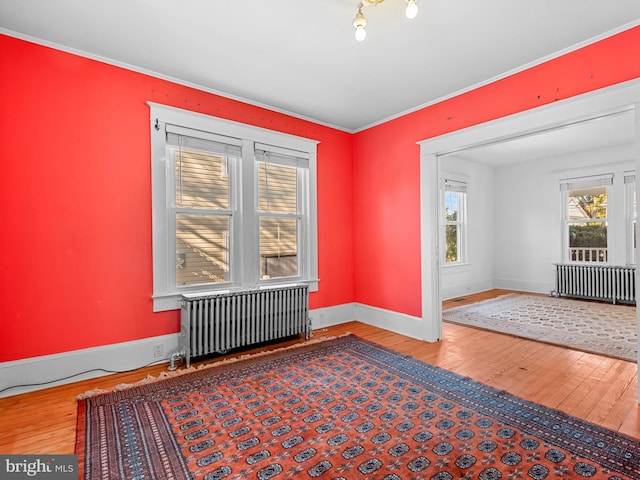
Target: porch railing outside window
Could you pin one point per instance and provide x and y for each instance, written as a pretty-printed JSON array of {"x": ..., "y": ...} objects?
[{"x": 593, "y": 255}]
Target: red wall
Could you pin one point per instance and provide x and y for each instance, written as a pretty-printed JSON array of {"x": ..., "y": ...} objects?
[
  {"x": 386, "y": 161},
  {"x": 75, "y": 196},
  {"x": 75, "y": 253}
]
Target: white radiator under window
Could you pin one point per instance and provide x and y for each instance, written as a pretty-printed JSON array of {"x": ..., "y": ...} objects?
[
  {"x": 616, "y": 284},
  {"x": 220, "y": 322}
]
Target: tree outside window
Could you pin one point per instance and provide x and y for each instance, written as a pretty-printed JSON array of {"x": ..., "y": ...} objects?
[{"x": 587, "y": 224}]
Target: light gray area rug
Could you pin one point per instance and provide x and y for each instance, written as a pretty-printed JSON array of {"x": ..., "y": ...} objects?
[{"x": 594, "y": 327}]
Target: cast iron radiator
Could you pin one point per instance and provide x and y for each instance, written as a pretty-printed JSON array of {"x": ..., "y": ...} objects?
[
  {"x": 598, "y": 282},
  {"x": 218, "y": 322}
]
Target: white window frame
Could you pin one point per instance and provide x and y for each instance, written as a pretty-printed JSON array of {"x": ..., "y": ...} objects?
[
  {"x": 453, "y": 183},
  {"x": 630, "y": 215},
  {"x": 245, "y": 251},
  {"x": 283, "y": 157},
  {"x": 605, "y": 180},
  {"x": 173, "y": 209}
]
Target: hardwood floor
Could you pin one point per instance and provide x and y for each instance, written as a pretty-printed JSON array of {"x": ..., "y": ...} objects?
[{"x": 595, "y": 388}]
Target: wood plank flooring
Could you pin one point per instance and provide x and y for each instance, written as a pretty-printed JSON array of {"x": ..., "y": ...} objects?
[{"x": 592, "y": 387}]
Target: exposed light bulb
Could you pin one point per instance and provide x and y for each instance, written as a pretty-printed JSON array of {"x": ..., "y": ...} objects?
[
  {"x": 359, "y": 23},
  {"x": 411, "y": 11}
]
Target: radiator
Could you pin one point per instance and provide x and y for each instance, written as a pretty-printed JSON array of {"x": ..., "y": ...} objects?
[
  {"x": 219, "y": 322},
  {"x": 597, "y": 282}
]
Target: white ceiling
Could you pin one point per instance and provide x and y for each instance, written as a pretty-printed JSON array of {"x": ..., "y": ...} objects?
[{"x": 301, "y": 57}]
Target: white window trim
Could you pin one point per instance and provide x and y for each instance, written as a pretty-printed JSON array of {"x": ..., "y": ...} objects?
[
  {"x": 166, "y": 295},
  {"x": 584, "y": 181},
  {"x": 463, "y": 222},
  {"x": 630, "y": 215}
]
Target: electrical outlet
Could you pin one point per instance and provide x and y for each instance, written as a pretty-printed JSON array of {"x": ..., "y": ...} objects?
[{"x": 158, "y": 350}]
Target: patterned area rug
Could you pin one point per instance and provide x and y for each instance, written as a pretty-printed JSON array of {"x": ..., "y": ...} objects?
[
  {"x": 594, "y": 327},
  {"x": 342, "y": 409}
]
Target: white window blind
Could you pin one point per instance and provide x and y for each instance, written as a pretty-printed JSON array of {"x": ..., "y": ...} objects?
[
  {"x": 281, "y": 156},
  {"x": 205, "y": 140},
  {"x": 455, "y": 186},
  {"x": 586, "y": 182}
]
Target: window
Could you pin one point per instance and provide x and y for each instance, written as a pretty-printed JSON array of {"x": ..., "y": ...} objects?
[
  {"x": 202, "y": 211},
  {"x": 454, "y": 221},
  {"x": 234, "y": 206},
  {"x": 280, "y": 178},
  {"x": 586, "y": 218},
  {"x": 630, "y": 211}
]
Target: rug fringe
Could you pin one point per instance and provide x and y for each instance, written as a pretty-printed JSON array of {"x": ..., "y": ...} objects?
[
  {"x": 268, "y": 352},
  {"x": 177, "y": 373}
]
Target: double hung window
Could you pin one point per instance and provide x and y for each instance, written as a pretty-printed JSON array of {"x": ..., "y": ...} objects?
[
  {"x": 234, "y": 206},
  {"x": 281, "y": 179},
  {"x": 599, "y": 218},
  {"x": 202, "y": 213},
  {"x": 454, "y": 221},
  {"x": 586, "y": 218}
]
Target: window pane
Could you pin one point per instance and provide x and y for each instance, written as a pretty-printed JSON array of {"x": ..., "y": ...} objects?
[
  {"x": 277, "y": 188},
  {"x": 633, "y": 222},
  {"x": 202, "y": 249},
  {"x": 451, "y": 206},
  {"x": 278, "y": 247},
  {"x": 634, "y": 256},
  {"x": 588, "y": 242},
  {"x": 202, "y": 180},
  {"x": 585, "y": 203},
  {"x": 451, "y": 238}
]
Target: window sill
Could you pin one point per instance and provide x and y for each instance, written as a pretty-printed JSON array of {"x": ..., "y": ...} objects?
[
  {"x": 456, "y": 265},
  {"x": 171, "y": 301}
]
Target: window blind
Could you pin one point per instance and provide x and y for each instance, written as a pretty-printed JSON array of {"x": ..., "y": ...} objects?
[
  {"x": 629, "y": 177},
  {"x": 281, "y": 156},
  {"x": 586, "y": 182},
  {"x": 203, "y": 141},
  {"x": 201, "y": 167},
  {"x": 455, "y": 186},
  {"x": 277, "y": 182}
]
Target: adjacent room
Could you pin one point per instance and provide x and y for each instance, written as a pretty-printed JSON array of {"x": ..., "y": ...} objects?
[
  {"x": 539, "y": 236},
  {"x": 235, "y": 237}
]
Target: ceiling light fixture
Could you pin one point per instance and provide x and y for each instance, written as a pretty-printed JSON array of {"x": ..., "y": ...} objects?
[{"x": 361, "y": 21}]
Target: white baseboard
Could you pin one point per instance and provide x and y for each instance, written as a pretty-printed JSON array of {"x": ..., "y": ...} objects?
[
  {"x": 50, "y": 370},
  {"x": 378, "y": 317},
  {"x": 393, "y": 321},
  {"x": 524, "y": 286},
  {"x": 462, "y": 290},
  {"x": 37, "y": 373},
  {"x": 328, "y": 316}
]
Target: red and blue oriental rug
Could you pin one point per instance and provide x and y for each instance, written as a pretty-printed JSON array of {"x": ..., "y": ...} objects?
[{"x": 343, "y": 408}]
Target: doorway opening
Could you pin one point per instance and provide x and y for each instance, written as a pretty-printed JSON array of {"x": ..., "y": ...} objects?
[{"x": 552, "y": 120}]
